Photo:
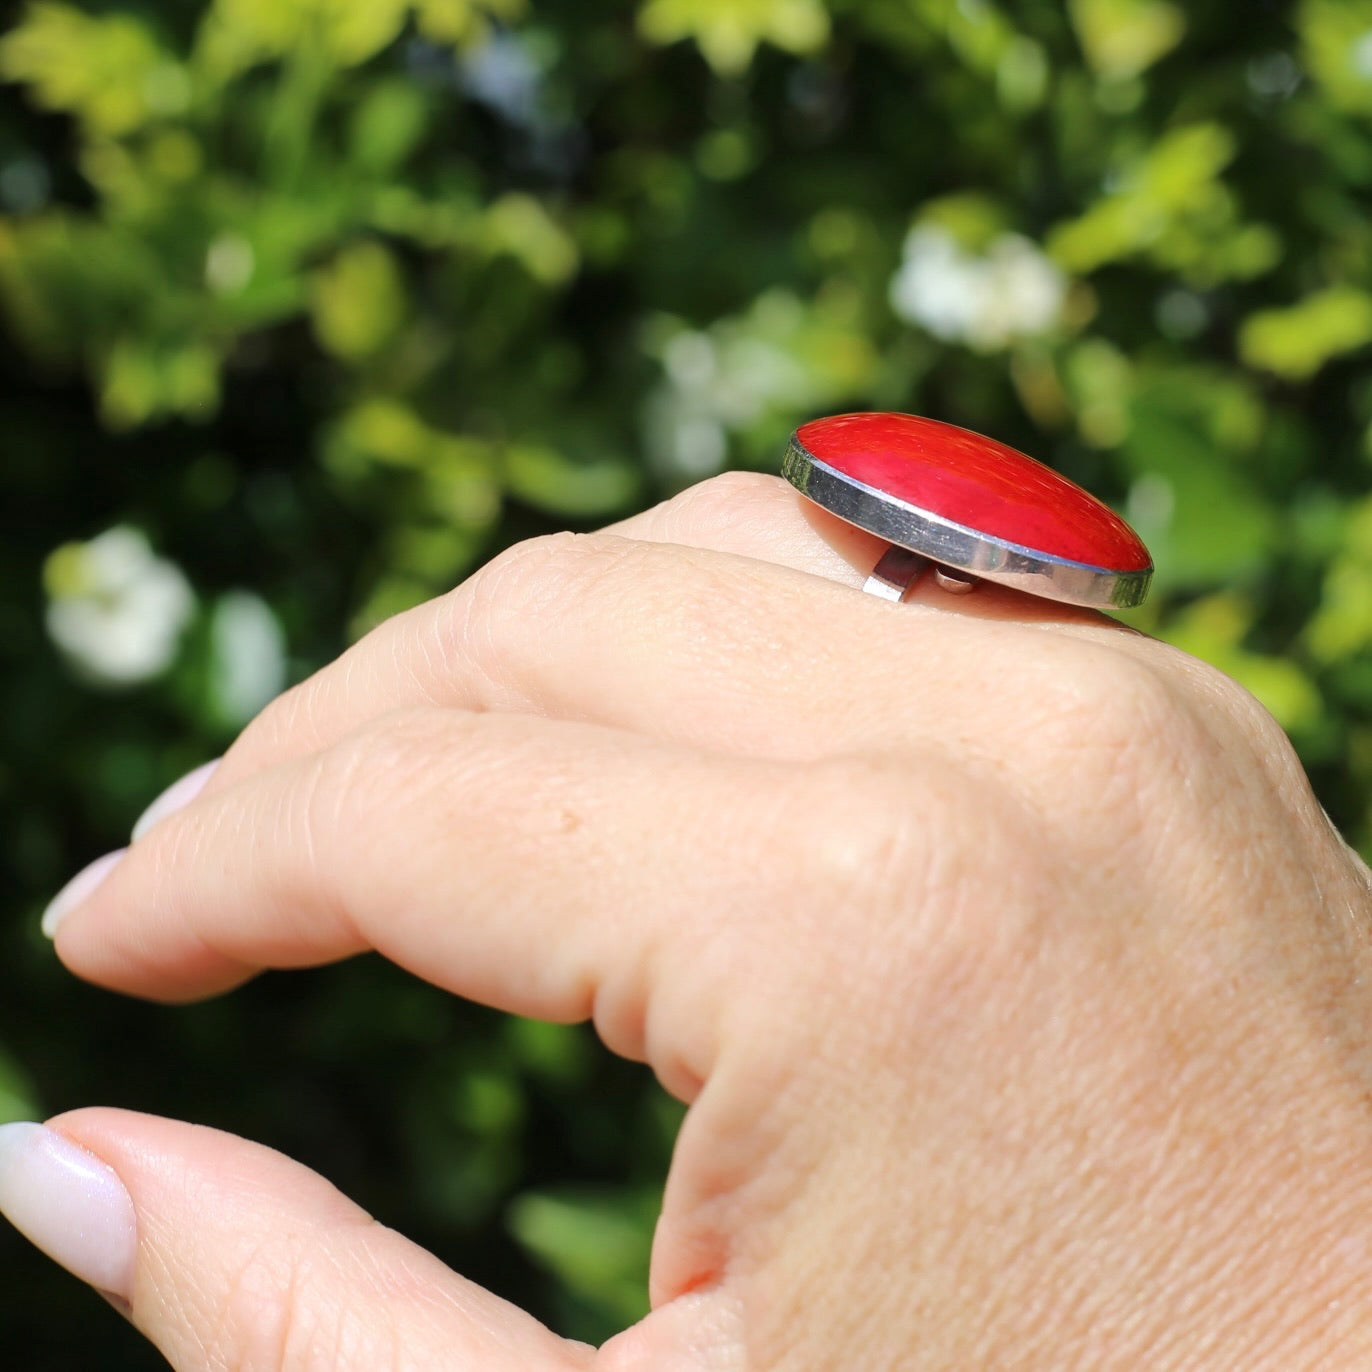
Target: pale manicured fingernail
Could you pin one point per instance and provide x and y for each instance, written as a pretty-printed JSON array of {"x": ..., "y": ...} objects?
[
  {"x": 70, "y": 1204},
  {"x": 176, "y": 797},
  {"x": 79, "y": 888}
]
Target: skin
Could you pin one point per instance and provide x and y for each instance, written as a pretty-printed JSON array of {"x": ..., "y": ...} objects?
[{"x": 1014, "y": 977}]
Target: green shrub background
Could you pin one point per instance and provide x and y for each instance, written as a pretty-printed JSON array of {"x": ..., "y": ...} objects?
[{"x": 315, "y": 304}]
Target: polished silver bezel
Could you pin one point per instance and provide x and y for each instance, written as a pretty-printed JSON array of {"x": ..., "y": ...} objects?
[{"x": 955, "y": 545}]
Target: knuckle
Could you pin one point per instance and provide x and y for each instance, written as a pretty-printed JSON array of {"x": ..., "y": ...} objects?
[
  {"x": 360, "y": 787},
  {"x": 898, "y": 839},
  {"x": 1111, "y": 724},
  {"x": 860, "y": 837},
  {"x": 386, "y": 763},
  {"x": 723, "y": 501},
  {"x": 503, "y": 612},
  {"x": 903, "y": 869},
  {"x": 541, "y": 571},
  {"x": 1236, "y": 709},
  {"x": 286, "y": 720},
  {"x": 1147, "y": 741}
]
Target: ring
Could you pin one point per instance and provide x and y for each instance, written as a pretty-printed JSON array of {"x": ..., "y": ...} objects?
[{"x": 970, "y": 507}]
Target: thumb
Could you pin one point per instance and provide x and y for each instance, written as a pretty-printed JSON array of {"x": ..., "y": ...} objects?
[{"x": 227, "y": 1254}]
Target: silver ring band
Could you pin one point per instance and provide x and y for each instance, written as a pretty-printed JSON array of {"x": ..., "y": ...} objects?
[{"x": 896, "y": 573}]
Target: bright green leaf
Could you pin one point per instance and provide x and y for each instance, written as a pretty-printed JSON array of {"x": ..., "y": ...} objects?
[
  {"x": 359, "y": 302},
  {"x": 1214, "y": 628},
  {"x": 1122, "y": 38},
  {"x": 1337, "y": 38},
  {"x": 597, "y": 1243},
  {"x": 728, "y": 32},
  {"x": 387, "y": 124},
  {"x": 548, "y": 480},
  {"x": 1297, "y": 341},
  {"x": 519, "y": 225},
  {"x": 108, "y": 71}
]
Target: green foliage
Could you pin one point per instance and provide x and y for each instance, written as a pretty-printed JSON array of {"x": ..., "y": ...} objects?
[
  {"x": 310, "y": 305},
  {"x": 1122, "y": 38},
  {"x": 1296, "y": 342},
  {"x": 728, "y": 31}
]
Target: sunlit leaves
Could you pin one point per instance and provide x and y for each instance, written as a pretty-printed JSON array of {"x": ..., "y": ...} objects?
[
  {"x": 1172, "y": 205},
  {"x": 521, "y": 226},
  {"x": 1297, "y": 341},
  {"x": 1337, "y": 36},
  {"x": 1341, "y": 627},
  {"x": 110, "y": 72},
  {"x": 1122, "y": 38},
  {"x": 143, "y": 380},
  {"x": 728, "y": 32},
  {"x": 344, "y": 33},
  {"x": 387, "y": 123},
  {"x": 596, "y": 1242},
  {"x": 551, "y": 481},
  {"x": 747, "y": 378},
  {"x": 359, "y": 301},
  {"x": 1216, "y": 627},
  {"x": 463, "y": 21}
]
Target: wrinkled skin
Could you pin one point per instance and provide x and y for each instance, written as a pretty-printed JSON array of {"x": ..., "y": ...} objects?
[{"x": 1016, "y": 981}]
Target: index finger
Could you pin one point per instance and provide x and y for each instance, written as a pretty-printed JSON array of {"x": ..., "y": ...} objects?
[{"x": 592, "y": 629}]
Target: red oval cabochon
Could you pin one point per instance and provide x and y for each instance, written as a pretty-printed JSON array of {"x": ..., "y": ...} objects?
[{"x": 977, "y": 482}]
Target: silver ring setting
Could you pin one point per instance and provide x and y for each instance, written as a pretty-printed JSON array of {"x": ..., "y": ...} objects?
[{"x": 960, "y": 553}]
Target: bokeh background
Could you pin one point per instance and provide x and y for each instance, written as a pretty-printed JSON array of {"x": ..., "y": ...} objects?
[{"x": 308, "y": 306}]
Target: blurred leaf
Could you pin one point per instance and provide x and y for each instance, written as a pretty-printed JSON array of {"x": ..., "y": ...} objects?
[
  {"x": 143, "y": 383},
  {"x": 344, "y": 31},
  {"x": 110, "y": 71},
  {"x": 388, "y": 123},
  {"x": 1203, "y": 522},
  {"x": 1122, "y": 38},
  {"x": 1214, "y": 628},
  {"x": 548, "y": 480},
  {"x": 359, "y": 301},
  {"x": 1341, "y": 626},
  {"x": 1171, "y": 204},
  {"x": 728, "y": 32},
  {"x": 17, "y": 1099},
  {"x": 597, "y": 1242},
  {"x": 464, "y": 21},
  {"x": 520, "y": 226},
  {"x": 1296, "y": 342},
  {"x": 1337, "y": 38}
]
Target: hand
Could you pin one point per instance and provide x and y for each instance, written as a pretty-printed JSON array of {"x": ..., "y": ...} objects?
[{"x": 1015, "y": 980}]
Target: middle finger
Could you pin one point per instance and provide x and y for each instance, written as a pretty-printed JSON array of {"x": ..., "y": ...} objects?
[{"x": 704, "y": 639}]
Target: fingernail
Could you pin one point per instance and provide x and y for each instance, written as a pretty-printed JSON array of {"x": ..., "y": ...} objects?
[
  {"x": 176, "y": 797},
  {"x": 70, "y": 1204},
  {"x": 79, "y": 888}
]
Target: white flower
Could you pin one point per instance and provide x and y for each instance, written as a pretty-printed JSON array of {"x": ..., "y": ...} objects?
[
  {"x": 248, "y": 656},
  {"x": 115, "y": 608},
  {"x": 720, "y": 381},
  {"x": 987, "y": 302}
]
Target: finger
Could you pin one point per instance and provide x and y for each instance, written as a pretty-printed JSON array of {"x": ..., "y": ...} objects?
[
  {"x": 763, "y": 518},
  {"x": 546, "y": 868},
  {"x": 754, "y": 515},
  {"x": 686, "y": 643},
  {"x": 228, "y": 1255}
]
